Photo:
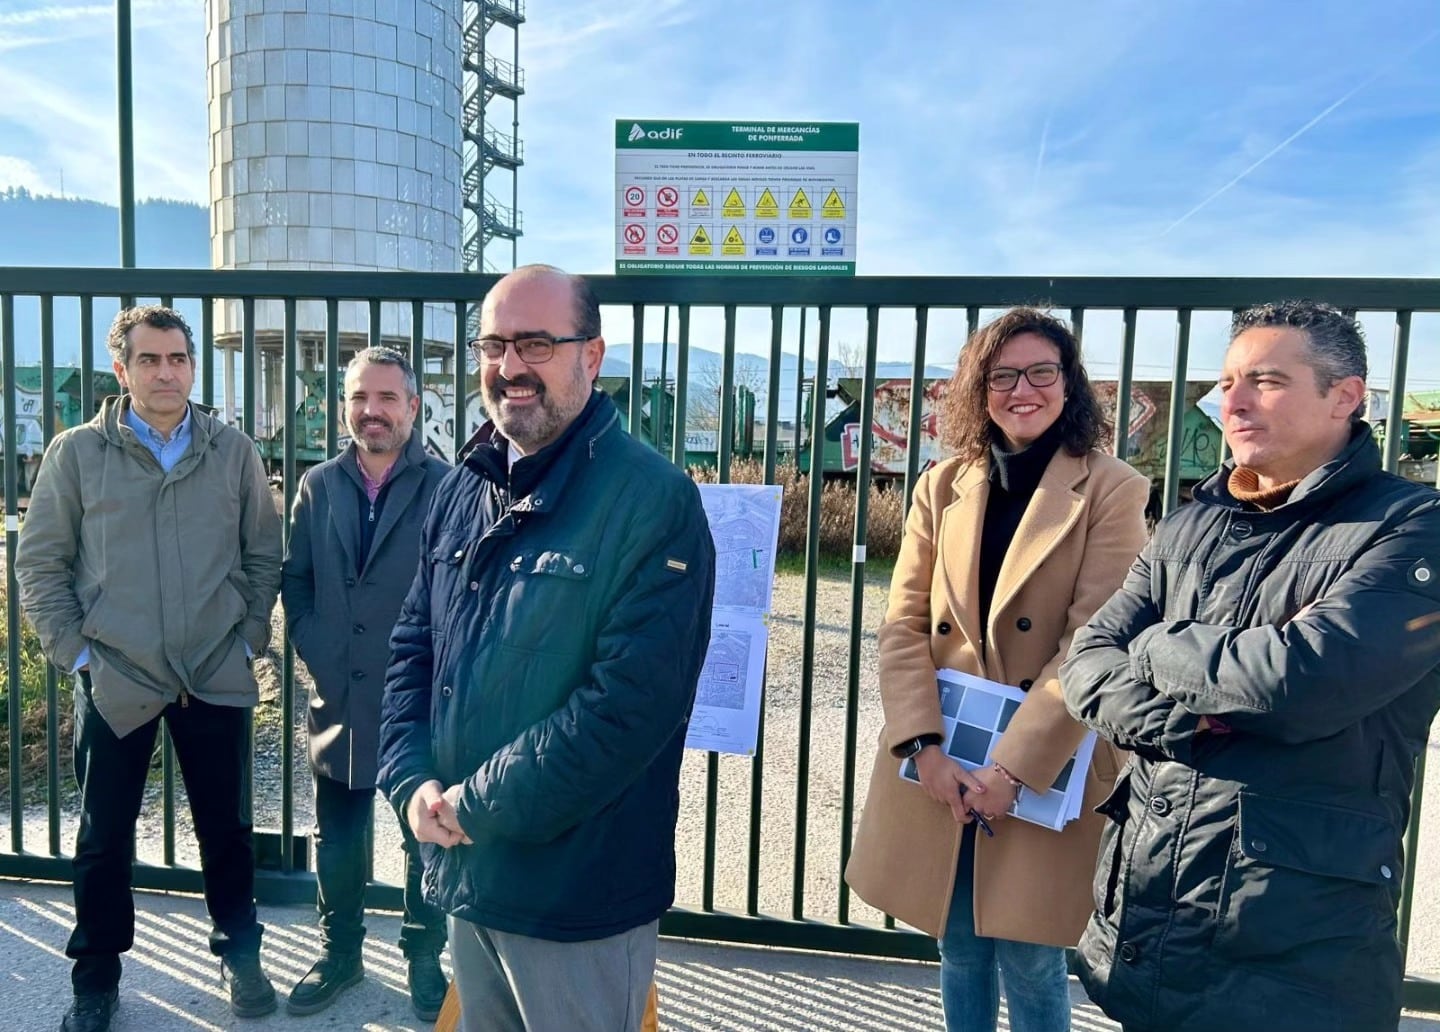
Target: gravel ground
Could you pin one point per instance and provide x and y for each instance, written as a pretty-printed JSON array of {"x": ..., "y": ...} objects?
[{"x": 825, "y": 770}]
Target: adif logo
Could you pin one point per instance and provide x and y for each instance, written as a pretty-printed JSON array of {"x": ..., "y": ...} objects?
[{"x": 638, "y": 133}]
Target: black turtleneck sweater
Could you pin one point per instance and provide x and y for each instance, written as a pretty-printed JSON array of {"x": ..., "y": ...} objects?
[{"x": 1014, "y": 476}]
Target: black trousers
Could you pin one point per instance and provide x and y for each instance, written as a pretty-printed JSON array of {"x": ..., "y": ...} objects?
[
  {"x": 212, "y": 745},
  {"x": 343, "y": 818}
]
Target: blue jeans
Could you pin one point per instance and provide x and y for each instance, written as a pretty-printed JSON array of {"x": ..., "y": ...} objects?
[{"x": 1037, "y": 986}]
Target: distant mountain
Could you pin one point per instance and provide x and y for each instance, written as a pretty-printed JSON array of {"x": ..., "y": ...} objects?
[
  {"x": 68, "y": 231},
  {"x": 64, "y": 231},
  {"x": 752, "y": 371}
]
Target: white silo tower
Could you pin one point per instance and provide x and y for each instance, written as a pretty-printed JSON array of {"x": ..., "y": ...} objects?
[{"x": 334, "y": 144}]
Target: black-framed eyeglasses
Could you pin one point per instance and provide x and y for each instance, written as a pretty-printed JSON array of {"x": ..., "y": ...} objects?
[
  {"x": 1003, "y": 379},
  {"x": 535, "y": 349}
]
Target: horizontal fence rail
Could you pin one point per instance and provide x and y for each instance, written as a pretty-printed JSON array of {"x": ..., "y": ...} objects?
[{"x": 773, "y": 834}]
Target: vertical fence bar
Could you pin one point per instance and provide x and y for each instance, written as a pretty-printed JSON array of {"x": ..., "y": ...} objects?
[
  {"x": 972, "y": 320},
  {"x": 374, "y": 324},
  {"x": 658, "y": 414},
  {"x": 87, "y": 356},
  {"x": 857, "y": 600},
  {"x": 462, "y": 385},
  {"x": 417, "y": 344},
  {"x": 757, "y": 762},
  {"x": 52, "y": 689},
  {"x": 1122, "y": 386},
  {"x": 799, "y": 387},
  {"x": 1178, "y": 404},
  {"x": 725, "y": 447},
  {"x": 287, "y": 676},
  {"x": 249, "y": 367},
  {"x": 1077, "y": 323},
  {"x": 12, "y": 588},
  {"x": 1394, "y": 420},
  {"x": 1224, "y": 443},
  {"x": 207, "y": 351},
  {"x": 812, "y": 573},
  {"x": 332, "y": 376},
  {"x": 637, "y": 370},
  {"x": 682, "y": 375},
  {"x": 1395, "y": 415},
  {"x": 917, "y": 403}
]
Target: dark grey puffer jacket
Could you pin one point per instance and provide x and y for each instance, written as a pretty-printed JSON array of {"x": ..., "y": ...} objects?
[{"x": 1249, "y": 880}]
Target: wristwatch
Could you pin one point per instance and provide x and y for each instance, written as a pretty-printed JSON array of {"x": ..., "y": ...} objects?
[{"x": 905, "y": 750}]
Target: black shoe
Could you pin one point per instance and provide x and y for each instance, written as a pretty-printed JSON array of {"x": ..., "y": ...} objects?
[
  {"x": 90, "y": 1012},
  {"x": 325, "y": 980},
  {"x": 427, "y": 985},
  {"x": 251, "y": 994}
]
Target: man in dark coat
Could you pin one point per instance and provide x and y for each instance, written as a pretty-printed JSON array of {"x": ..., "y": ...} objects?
[
  {"x": 1272, "y": 662},
  {"x": 354, "y": 547},
  {"x": 541, "y": 678}
]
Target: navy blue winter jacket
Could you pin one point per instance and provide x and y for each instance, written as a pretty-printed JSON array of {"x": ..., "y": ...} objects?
[{"x": 547, "y": 657}]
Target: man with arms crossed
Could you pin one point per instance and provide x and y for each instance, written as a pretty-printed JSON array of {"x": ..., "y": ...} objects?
[
  {"x": 352, "y": 553},
  {"x": 541, "y": 678},
  {"x": 1272, "y": 662},
  {"x": 148, "y": 563}
]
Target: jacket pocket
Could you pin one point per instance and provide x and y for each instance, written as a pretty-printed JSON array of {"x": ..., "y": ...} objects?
[
  {"x": 1302, "y": 878},
  {"x": 549, "y": 587},
  {"x": 1110, "y": 864}
]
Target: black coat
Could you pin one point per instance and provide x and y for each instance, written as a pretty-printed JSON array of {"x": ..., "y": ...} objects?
[
  {"x": 547, "y": 657},
  {"x": 1249, "y": 879},
  {"x": 340, "y": 605}
]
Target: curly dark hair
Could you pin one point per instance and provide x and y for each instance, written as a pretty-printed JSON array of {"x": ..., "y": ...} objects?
[
  {"x": 157, "y": 316},
  {"x": 964, "y": 412}
]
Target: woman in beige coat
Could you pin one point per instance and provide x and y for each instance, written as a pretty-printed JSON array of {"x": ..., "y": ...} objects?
[{"x": 1009, "y": 548}]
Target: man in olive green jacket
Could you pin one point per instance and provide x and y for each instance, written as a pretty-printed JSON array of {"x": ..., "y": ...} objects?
[{"x": 148, "y": 563}]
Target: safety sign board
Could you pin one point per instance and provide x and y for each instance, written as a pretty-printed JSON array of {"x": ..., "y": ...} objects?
[{"x": 736, "y": 197}]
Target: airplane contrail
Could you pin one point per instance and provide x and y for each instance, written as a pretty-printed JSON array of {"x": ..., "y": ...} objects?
[{"x": 1298, "y": 133}]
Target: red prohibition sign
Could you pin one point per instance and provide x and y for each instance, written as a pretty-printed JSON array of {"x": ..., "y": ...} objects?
[
  {"x": 667, "y": 234},
  {"x": 667, "y": 197},
  {"x": 634, "y": 234},
  {"x": 634, "y": 196}
]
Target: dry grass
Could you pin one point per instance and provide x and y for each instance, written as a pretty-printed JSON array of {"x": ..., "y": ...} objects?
[{"x": 884, "y": 523}]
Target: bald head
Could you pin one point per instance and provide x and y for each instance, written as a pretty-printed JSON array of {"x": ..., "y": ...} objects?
[{"x": 560, "y": 289}]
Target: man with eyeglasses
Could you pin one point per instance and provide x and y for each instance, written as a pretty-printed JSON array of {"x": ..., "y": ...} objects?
[{"x": 541, "y": 677}]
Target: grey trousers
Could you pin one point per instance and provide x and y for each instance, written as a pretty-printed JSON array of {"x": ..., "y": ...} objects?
[{"x": 513, "y": 983}]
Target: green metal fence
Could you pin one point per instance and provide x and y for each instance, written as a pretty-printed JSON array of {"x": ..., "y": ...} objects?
[{"x": 88, "y": 298}]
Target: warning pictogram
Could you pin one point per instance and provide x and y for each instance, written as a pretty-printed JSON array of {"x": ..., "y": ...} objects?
[
  {"x": 700, "y": 242},
  {"x": 834, "y": 206},
  {"x": 734, "y": 206},
  {"x": 667, "y": 238},
  {"x": 800, "y": 205},
  {"x": 634, "y": 202},
  {"x": 667, "y": 197},
  {"x": 734, "y": 243},
  {"x": 700, "y": 199},
  {"x": 634, "y": 239},
  {"x": 766, "y": 207}
]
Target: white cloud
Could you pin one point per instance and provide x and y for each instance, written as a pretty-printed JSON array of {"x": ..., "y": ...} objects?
[{"x": 19, "y": 172}]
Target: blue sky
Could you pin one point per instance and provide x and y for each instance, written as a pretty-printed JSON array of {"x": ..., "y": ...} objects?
[{"x": 1186, "y": 137}]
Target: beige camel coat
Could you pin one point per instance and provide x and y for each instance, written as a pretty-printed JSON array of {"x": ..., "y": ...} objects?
[{"x": 1076, "y": 540}]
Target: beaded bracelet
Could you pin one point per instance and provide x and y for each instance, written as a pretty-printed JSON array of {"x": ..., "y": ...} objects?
[{"x": 1015, "y": 782}]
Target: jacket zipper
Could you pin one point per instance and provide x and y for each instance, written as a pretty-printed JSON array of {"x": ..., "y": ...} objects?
[
  {"x": 372, "y": 512},
  {"x": 184, "y": 699}
]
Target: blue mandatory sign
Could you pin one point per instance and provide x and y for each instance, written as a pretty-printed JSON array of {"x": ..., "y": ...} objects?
[
  {"x": 832, "y": 235},
  {"x": 766, "y": 235},
  {"x": 799, "y": 235}
]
